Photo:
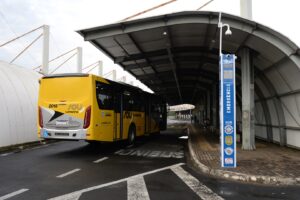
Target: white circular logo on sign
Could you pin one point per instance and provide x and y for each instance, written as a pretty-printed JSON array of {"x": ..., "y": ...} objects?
[
  {"x": 228, "y": 161},
  {"x": 228, "y": 129},
  {"x": 228, "y": 151}
]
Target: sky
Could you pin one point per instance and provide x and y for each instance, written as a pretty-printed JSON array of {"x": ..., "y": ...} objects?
[{"x": 66, "y": 16}]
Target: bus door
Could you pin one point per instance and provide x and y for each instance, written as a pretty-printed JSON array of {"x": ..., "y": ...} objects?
[
  {"x": 105, "y": 118},
  {"x": 118, "y": 120}
]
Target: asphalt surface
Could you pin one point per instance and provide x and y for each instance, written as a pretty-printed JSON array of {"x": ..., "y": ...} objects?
[{"x": 155, "y": 168}]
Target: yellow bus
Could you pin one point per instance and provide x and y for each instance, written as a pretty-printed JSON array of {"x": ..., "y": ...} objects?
[{"x": 88, "y": 107}]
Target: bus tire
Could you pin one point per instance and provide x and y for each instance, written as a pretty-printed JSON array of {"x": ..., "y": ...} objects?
[{"x": 131, "y": 135}]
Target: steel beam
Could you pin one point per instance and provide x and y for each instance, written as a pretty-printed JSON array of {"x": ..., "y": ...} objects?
[
  {"x": 180, "y": 59},
  {"x": 266, "y": 111},
  {"x": 205, "y": 75},
  {"x": 278, "y": 63},
  {"x": 249, "y": 35},
  {"x": 140, "y": 50},
  {"x": 278, "y": 106},
  {"x": 171, "y": 58},
  {"x": 274, "y": 126},
  {"x": 164, "y": 52},
  {"x": 79, "y": 59},
  {"x": 45, "y": 55}
]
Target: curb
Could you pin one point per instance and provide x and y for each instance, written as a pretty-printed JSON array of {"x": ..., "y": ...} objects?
[
  {"x": 236, "y": 176},
  {"x": 24, "y": 146}
]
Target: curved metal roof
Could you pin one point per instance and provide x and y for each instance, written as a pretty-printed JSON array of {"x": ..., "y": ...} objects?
[
  {"x": 187, "y": 42},
  {"x": 176, "y": 55}
]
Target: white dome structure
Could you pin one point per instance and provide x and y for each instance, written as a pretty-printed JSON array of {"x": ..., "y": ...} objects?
[{"x": 18, "y": 104}]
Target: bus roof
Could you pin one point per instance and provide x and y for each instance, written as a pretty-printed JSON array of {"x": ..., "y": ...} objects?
[
  {"x": 120, "y": 84},
  {"x": 65, "y": 75}
]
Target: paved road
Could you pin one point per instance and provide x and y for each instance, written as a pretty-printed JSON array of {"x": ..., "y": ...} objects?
[{"x": 154, "y": 169}]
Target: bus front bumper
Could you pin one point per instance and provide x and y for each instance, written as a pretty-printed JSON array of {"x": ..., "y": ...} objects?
[{"x": 78, "y": 134}]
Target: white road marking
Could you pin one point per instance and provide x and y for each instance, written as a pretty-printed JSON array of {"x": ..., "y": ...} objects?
[
  {"x": 150, "y": 153},
  {"x": 74, "y": 195},
  {"x": 100, "y": 160},
  {"x": 13, "y": 194},
  {"x": 199, "y": 188},
  {"x": 68, "y": 173},
  {"x": 136, "y": 189},
  {"x": 117, "y": 152}
]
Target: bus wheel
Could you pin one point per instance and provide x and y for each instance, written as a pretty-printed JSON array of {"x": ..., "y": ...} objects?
[{"x": 131, "y": 136}]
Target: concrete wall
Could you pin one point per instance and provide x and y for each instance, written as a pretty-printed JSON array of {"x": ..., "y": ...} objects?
[{"x": 18, "y": 104}]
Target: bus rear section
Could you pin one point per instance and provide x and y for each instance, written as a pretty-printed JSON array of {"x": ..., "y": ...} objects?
[{"x": 64, "y": 106}]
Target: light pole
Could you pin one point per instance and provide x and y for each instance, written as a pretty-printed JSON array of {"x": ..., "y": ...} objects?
[
  {"x": 227, "y": 32},
  {"x": 227, "y": 103}
]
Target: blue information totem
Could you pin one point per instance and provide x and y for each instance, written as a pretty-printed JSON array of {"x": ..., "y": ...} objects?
[{"x": 227, "y": 110}]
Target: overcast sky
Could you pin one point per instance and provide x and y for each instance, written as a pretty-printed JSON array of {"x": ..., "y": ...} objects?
[{"x": 66, "y": 16}]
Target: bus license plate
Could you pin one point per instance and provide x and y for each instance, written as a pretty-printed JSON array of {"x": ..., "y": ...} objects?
[{"x": 61, "y": 123}]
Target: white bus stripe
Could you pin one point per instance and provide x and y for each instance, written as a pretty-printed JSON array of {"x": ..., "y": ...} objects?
[
  {"x": 199, "y": 188},
  {"x": 68, "y": 173},
  {"x": 73, "y": 195},
  {"x": 100, "y": 160},
  {"x": 136, "y": 189},
  {"x": 13, "y": 194}
]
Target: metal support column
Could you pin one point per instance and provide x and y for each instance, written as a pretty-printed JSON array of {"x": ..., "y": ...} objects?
[
  {"x": 79, "y": 59},
  {"x": 208, "y": 104},
  {"x": 247, "y": 100},
  {"x": 114, "y": 75},
  {"x": 45, "y": 58},
  {"x": 100, "y": 68},
  {"x": 123, "y": 79},
  {"x": 246, "y": 9}
]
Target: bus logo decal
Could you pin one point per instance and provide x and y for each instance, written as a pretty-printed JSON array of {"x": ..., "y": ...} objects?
[
  {"x": 127, "y": 114},
  {"x": 75, "y": 107},
  {"x": 56, "y": 115},
  {"x": 52, "y": 105}
]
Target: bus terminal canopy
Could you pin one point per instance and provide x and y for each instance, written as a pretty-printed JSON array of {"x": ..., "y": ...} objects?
[{"x": 176, "y": 55}]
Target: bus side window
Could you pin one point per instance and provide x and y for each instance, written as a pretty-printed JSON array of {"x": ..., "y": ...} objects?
[
  {"x": 133, "y": 101},
  {"x": 139, "y": 100},
  {"x": 127, "y": 101},
  {"x": 104, "y": 94}
]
